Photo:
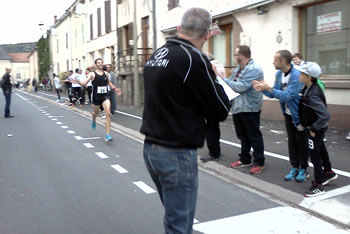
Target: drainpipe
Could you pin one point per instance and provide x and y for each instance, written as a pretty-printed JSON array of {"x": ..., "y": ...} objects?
[
  {"x": 154, "y": 25},
  {"x": 137, "y": 100}
]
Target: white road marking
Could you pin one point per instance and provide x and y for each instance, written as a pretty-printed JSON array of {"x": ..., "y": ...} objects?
[
  {"x": 59, "y": 123},
  {"x": 58, "y": 116},
  {"x": 54, "y": 119},
  {"x": 64, "y": 127},
  {"x": 298, "y": 222},
  {"x": 88, "y": 145},
  {"x": 119, "y": 169},
  {"x": 71, "y": 132},
  {"x": 144, "y": 187},
  {"x": 25, "y": 99},
  {"x": 195, "y": 221},
  {"x": 50, "y": 116},
  {"x": 79, "y": 138},
  {"x": 130, "y": 115},
  {"x": 101, "y": 155},
  {"x": 47, "y": 114}
]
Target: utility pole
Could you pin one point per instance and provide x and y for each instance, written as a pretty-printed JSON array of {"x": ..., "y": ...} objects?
[{"x": 137, "y": 99}]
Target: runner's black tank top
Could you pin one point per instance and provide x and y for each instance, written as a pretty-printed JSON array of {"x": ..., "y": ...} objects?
[{"x": 99, "y": 81}]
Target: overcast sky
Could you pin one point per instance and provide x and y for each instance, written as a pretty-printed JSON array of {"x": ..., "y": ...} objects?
[{"x": 19, "y": 19}]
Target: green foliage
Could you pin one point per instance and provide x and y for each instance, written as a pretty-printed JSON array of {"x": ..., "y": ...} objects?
[{"x": 43, "y": 57}]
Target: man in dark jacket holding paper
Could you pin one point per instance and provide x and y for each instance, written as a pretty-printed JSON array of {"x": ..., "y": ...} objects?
[{"x": 181, "y": 92}]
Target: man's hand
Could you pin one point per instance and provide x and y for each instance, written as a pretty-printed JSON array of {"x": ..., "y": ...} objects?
[
  {"x": 117, "y": 91},
  {"x": 261, "y": 86}
]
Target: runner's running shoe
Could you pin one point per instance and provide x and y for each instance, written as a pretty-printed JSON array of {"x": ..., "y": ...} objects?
[{"x": 108, "y": 138}]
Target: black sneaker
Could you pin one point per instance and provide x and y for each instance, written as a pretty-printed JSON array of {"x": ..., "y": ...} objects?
[
  {"x": 209, "y": 158},
  {"x": 314, "y": 190},
  {"x": 329, "y": 176}
]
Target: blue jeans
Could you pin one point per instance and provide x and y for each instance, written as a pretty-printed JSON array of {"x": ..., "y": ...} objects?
[
  {"x": 175, "y": 174},
  {"x": 7, "y": 103}
]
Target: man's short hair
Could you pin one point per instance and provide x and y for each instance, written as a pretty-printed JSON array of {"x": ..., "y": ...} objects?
[
  {"x": 285, "y": 55},
  {"x": 195, "y": 22},
  {"x": 245, "y": 51},
  {"x": 76, "y": 70},
  {"x": 298, "y": 55},
  {"x": 97, "y": 60}
]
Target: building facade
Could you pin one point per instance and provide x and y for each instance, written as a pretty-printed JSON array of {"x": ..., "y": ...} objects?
[{"x": 318, "y": 29}]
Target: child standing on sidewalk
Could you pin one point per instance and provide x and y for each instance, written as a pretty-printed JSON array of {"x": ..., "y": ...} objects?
[{"x": 315, "y": 116}]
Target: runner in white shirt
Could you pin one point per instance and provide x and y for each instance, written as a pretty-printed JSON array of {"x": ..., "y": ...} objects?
[{"x": 57, "y": 82}]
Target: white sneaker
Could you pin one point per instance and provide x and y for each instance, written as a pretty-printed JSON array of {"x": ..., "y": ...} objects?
[{"x": 348, "y": 137}]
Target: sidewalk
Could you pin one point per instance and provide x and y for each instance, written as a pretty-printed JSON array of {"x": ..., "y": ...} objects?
[{"x": 334, "y": 205}]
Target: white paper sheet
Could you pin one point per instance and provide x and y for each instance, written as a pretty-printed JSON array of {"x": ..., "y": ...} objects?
[{"x": 229, "y": 92}]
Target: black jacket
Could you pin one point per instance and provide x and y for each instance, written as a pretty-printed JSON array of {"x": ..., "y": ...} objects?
[
  {"x": 181, "y": 92},
  {"x": 6, "y": 83},
  {"x": 313, "y": 111}
]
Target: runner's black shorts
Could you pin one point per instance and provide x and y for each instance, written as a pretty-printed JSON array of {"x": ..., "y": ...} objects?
[{"x": 99, "y": 99}]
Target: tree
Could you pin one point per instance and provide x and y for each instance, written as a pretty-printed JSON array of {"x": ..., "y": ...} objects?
[{"x": 43, "y": 57}]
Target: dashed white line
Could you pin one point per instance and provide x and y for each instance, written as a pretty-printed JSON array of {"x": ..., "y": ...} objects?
[
  {"x": 101, "y": 155},
  {"x": 71, "y": 132},
  {"x": 64, "y": 127},
  {"x": 50, "y": 116},
  {"x": 54, "y": 119},
  {"x": 59, "y": 123},
  {"x": 144, "y": 187},
  {"x": 47, "y": 114},
  {"x": 119, "y": 169},
  {"x": 88, "y": 145},
  {"x": 79, "y": 138}
]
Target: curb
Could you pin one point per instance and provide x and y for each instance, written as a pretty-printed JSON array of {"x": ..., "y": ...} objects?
[{"x": 269, "y": 190}]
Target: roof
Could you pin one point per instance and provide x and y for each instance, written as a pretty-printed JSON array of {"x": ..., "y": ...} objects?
[
  {"x": 3, "y": 54},
  {"x": 19, "y": 48},
  {"x": 19, "y": 57}
]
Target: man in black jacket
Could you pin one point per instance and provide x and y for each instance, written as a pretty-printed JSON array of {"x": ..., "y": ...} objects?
[
  {"x": 7, "y": 90},
  {"x": 181, "y": 92}
]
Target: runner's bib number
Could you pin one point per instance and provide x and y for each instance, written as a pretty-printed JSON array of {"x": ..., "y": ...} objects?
[{"x": 102, "y": 89}]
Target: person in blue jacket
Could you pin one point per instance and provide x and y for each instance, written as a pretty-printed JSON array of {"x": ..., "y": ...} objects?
[{"x": 286, "y": 88}]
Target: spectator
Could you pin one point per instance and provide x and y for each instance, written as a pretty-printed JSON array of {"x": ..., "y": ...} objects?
[
  {"x": 287, "y": 88},
  {"x": 57, "y": 82},
  {"x": 181, "y": 92},
  {"x": 246, "y": 110},
  {"x": 7, "y": 91},
  {"x": 314, "y": 116},
  {"x": 298, "y": 59}
]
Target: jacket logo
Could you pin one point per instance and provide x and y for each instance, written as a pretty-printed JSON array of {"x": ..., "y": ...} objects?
[{"x": 161, "y": 53}]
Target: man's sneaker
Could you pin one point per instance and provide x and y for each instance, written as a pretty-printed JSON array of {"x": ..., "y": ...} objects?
[
  {"x": 329, "y": 176},
  {"x": 108, "y": 138},
  {"x": 256, "y": 169},
  {"x": 348, "y": 137},
  {"x": 302, "y": 176},
  {"x": 93, "y": 125},
  {"x": 209, "y": 158},
  {"x": 239, "y": 164},
  {"x": 314, "y": 190},
  {"x": 291, "y": 175}
]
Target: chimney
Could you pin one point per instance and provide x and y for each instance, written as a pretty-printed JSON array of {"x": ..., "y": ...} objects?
[{"x": 55, "y": 19}]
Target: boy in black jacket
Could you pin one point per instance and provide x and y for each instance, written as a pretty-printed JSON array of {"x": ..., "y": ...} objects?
[{"x": 315, "y": 116}]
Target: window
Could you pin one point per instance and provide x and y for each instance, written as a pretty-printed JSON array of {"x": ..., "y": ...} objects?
[
  {"x": 66, "y": 40},
  {"x": 82, "y": 34},
  {"x": 58, "y": 68},
  {"x": 58, "y": 46},
  {"x": 108, "y": 22},
  {"x": 75, "y": 38},
  {"x": 172, "y": 4},
  {"x": 91, "y": 27},
  {"x": 18, "y": 75},
  {"x": 99, "y": 31},
  {"x": 67, "y": 64},
  {"x": 326, "y": 36}
]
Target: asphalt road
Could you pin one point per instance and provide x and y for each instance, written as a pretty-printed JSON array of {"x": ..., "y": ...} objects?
[{"x": 57, "y": 175}]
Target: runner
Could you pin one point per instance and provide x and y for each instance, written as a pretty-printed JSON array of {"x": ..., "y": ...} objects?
[{"x": 100, "y": 88}]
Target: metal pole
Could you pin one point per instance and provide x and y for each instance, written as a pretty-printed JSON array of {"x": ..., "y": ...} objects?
[
  {"x": 137, "y": 100},
  {"x": 154, "y": 25}
]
